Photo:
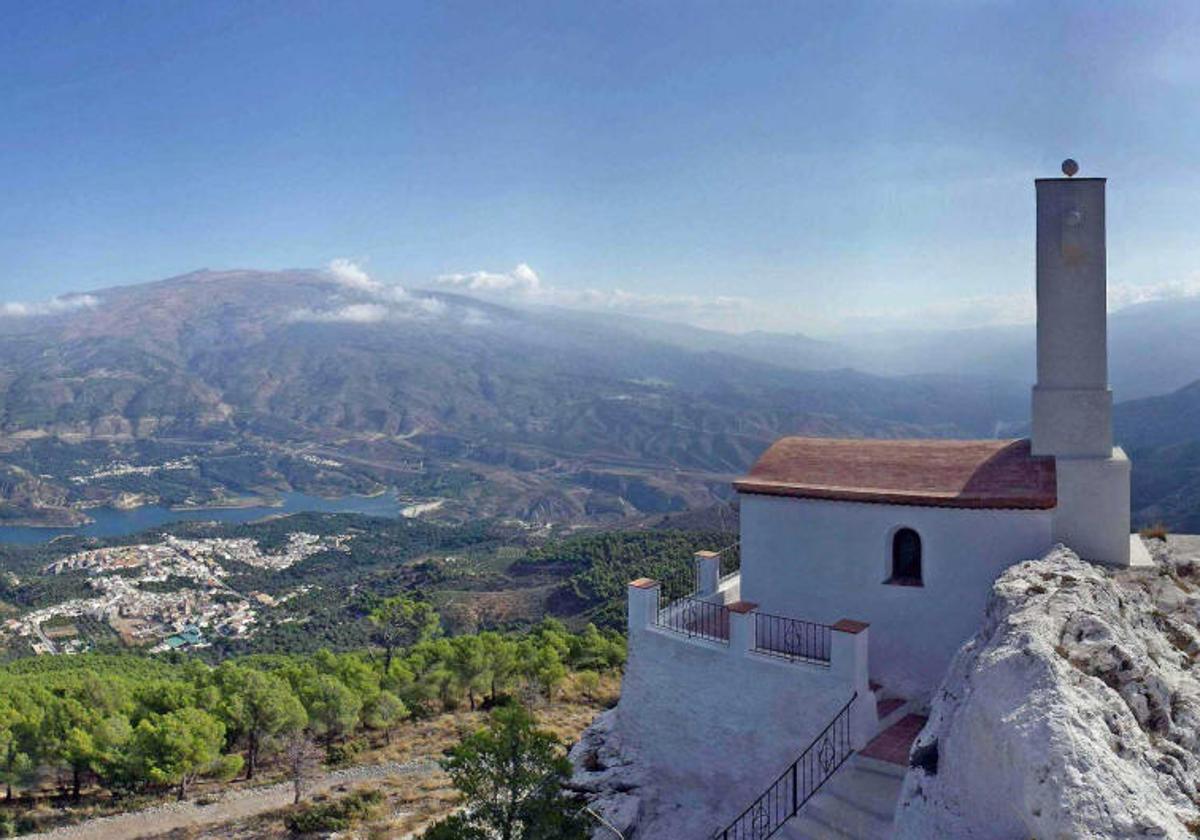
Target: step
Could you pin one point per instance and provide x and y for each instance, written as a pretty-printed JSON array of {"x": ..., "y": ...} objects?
[
  {"x": 858, "y": 803},
  {"x": 870, "y": 791},
  {"x": 874, "y": 765},
  {"x": 804, "y": 827},
  {"x": 845, "y": 816},
  {"x": 885, "y": 706},
  {"x": 890, "y": 711},
  {"x": 893, "y": 744}
]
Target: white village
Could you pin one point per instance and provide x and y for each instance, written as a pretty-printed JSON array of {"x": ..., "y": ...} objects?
[
  {"x": 163, "y": 620},
  {"x": 786, "y": 699}
]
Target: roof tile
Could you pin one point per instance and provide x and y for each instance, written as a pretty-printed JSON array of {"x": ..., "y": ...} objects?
[{"x": 932, "y": 473}]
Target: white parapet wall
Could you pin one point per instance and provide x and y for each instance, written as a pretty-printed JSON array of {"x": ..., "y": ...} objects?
[{"x": 721, "y": 721}]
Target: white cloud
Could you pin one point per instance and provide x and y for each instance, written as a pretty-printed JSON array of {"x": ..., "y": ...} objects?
[
  {"x": 54, "y": 305},
  {"x": 364, "y": 300},
  {"x": 729, "y": 313},
  {"x": 522, "y": 279},
  {"x": 353, "y": 276},
  {"x": 476, "y": 318},
  {"x": 523, "y": 284},
  {"x": 1121, "y": 295},
  {"x": 1003, "y": 310},
  {"x": 355, "y": 313}
]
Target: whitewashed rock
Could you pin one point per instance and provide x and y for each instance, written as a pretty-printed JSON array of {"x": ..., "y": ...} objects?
[
  {"x": 1073, "y": 713},
  {"x": 608, "y": 778}
]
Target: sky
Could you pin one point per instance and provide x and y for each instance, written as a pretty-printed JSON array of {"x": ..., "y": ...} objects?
[{"x": 784, "y": 166}]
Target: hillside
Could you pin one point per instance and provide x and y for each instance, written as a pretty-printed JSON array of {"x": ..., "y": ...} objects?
[
  {"x": 219, "y": 384},
  {"x": 1162, "y": 436}
]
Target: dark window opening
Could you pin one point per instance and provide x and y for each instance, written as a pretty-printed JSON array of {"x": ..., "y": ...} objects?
[{"x": 906, "y": 558}]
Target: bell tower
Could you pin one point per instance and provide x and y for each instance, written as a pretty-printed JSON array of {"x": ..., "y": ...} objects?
[{"x": 1072, "y": 402}]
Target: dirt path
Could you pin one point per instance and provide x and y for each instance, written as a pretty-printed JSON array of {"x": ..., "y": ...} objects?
[{"x": 235, "y": 805}]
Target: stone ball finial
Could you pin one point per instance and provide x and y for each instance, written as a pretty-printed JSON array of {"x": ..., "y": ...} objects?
[{"x": 1069, "y": 167}]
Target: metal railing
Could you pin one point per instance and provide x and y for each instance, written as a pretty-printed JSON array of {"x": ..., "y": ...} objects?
[
  {"x": 797, "y": 784},
  {"x": 791, "y": 638},
  {"x": 695, "y": 618}
]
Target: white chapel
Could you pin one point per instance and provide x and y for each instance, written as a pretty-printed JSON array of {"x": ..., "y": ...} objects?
[{"x": 865, "y": 565}]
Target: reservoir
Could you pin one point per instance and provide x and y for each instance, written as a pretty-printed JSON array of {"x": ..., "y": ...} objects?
[{"x": 110, "y": 522}]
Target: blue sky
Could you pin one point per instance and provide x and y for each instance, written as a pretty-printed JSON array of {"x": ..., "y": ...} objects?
[{"x": 780, "y": 165}]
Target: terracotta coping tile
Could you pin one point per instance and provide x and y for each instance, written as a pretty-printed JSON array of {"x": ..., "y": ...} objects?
[
  {"x": 933, "y": 473},
  {"x": 849, "y": 625},
  {"x": 644, "y": 583},
  {"x": 742, "y": 607}
]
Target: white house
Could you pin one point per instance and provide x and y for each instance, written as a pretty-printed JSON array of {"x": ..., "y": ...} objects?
[{"x": 865, "y": 564}]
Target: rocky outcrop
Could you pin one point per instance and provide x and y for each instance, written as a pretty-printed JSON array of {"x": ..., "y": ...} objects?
[
  {"x": 1073, "y": 713},
  {"x": 607, "y": 777}
]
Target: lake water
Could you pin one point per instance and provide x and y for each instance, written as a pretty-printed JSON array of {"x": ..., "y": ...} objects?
[{"x": 110, "y": 522}]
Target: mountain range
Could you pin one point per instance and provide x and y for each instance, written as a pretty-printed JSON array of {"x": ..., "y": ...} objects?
[{"x": 219, "y": 384}]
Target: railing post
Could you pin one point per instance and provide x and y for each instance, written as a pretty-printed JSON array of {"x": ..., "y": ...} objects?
[
  {"x": 708, "y": 572},
  {"x": 848, "y": 659},
  {"x": 643, "y": 604},
  {"x": 795, "y": 789},
  {"x": 741, "y": 626}
]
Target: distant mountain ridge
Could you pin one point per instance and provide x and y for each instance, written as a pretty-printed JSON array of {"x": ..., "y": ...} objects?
[
  {"x": 1152, "y": 349},
  {"x": 1162, "y": 437},
  {"x": 306, "y": 380},
  {"x": 535, "y": 414}
]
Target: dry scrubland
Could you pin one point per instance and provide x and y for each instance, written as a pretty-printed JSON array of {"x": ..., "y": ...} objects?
[{"x": 414, "y": 790}]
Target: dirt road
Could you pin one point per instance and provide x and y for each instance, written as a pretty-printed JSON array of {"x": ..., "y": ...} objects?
[{"x": 233, "y": 806}]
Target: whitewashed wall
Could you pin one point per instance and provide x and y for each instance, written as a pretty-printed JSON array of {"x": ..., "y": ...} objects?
[
  {"x": 716, "y": 726},
  {"x": 822, "y": 560}
]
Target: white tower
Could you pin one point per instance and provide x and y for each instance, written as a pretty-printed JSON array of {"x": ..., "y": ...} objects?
[{"x": 1072, "y": 403}]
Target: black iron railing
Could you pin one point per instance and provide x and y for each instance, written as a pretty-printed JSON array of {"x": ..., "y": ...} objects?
[
  {"x": 791, "y": 638},
  {"x": 797, "y": 784},
  {"x": 695, "y": 618}
]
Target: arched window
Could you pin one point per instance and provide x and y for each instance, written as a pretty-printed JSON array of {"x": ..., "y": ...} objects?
[{"x": 906, "y": 558}]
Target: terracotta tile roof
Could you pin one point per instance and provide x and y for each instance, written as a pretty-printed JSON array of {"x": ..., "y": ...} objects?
[{"x": 933, "y": 473}]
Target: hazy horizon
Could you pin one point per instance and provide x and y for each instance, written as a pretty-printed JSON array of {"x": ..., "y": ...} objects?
[{"x": 792, "y": 168}]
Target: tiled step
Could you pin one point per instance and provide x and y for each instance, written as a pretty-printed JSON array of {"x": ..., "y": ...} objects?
[
  {"x": 893, "y": 744},
  {"x": 890, "y": 710},
  {"x": 886, "y": 706}
]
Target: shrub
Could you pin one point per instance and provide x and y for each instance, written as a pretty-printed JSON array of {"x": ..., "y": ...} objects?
[
  {"x": 1157, "y": 531},
  {"x": 334, "y": 815},
  {"x": 339, "y": 754}
]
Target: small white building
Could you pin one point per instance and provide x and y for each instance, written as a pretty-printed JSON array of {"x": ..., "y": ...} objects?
[{"x": 865, "y": 564}]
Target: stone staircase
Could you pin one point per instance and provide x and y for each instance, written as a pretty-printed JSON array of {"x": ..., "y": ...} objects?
[
  {"x": 855, "y": 804},
  {"x": 859, "y": 801}
]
